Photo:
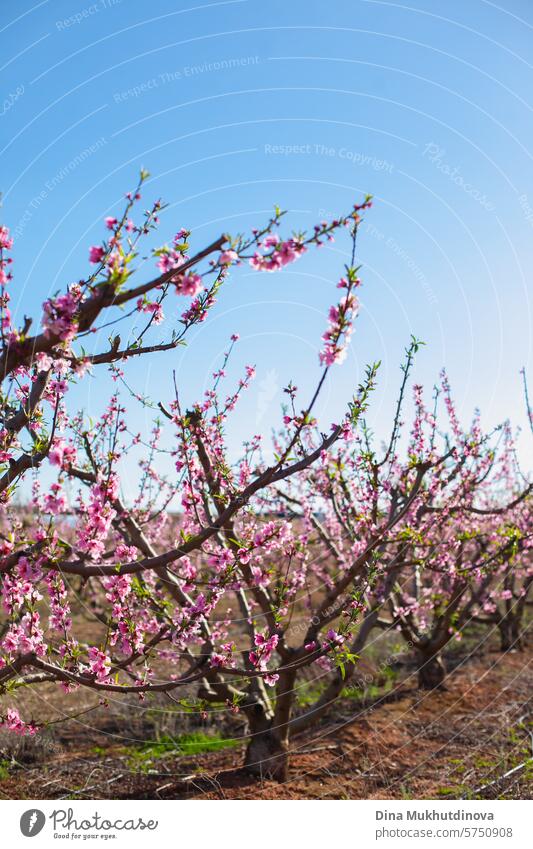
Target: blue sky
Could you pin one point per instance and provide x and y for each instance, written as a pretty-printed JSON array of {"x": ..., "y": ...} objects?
[{"x": 235, "y": 106}]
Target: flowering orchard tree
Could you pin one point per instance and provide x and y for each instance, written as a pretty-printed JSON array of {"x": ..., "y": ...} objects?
[
  {"x": 436, "y": 533},
  {"x": 158, "y": 586},
  {"x": 228, "y": 578},
  {"x": 467, "y": 553},
  {"x": 506, "y": 608}
]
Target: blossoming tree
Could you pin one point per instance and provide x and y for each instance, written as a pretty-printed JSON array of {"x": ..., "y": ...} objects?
[
  {"x": 268, "y": 567},
  {"x": 152, "y": 584},
  {"x": 505, "y": 606},
  {"x": 426, "y": 578},
  {"x": 465, "y": 544}
]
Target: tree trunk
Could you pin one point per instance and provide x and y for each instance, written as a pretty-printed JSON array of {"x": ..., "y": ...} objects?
[
  {"x": 510, "y": 633},
  {"x": 431, "y": 671},
  {"x": 267, "y": 755},
  {"x": 506, "y": 639},
  {"x": 518, "y": 634}
]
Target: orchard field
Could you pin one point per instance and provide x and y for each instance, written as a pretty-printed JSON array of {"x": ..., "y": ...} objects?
[
  {"x": 383, "y": 741},
  {"x": 321, "y": 614}
]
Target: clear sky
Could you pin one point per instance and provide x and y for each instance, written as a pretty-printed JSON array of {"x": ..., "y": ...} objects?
[{"x": 235, "y": 106}]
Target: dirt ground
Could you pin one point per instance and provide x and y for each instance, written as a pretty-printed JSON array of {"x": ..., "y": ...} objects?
[{"x": 473, "y": 740}]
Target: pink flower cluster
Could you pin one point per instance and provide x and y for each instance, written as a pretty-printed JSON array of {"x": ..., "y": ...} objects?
[
  {"x": 55, "y": 501},
  {"x": 18, "y": 588},
  {"x": 144, "y": 305},
  {"x": 224, "y": 658},
  {"x": 259, "y": 658},
  {"x": 220, "y": 559},
  {"x": 99, "y": 663},
  {"x": 174, "y": 257},
  {"x": 340, "y": 327},
  {"x": 26, "y": 638},
  {"x": 99, "y": 516},
  {"x": 6, "y": 243},
  {"x": 59, "y": 315},
  {"x": 227, "y": 257},
  {"x": 13, "y": 722},
  {"x": 96, "y": 254},
  {"x": 280, "y": 253},
  {"x": 60, "y": 618},
  {"x": 189, "y": 285},
  {"x": 61, "y": 453}
]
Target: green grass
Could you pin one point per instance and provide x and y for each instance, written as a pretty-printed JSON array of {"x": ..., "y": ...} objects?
[
  {"x": 385, "y": 682},
  {"x": 405, "y": 792},
  {"x": 308, "y": 693},
  {"x": 197, "y": 742},
  {"x": 485, "y": 763}
]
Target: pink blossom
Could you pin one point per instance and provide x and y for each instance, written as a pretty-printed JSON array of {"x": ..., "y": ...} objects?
[
  {"x": 13, "y": 722},
  {"x": 59, "y": 315},
  {"x": 227, "y": 257},
  {"x": 339, "y": 330},
  {"x": 96, "y": 254},
  {"x": 6, "y": 241},
  {"x": 282, "y": 254},
  {"x": 189, "y": 285},
  {"x": 99, "y": 663},
  {"x": 55, "y": 455}
]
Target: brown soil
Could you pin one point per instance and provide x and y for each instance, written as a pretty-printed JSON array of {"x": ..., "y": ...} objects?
[{"x": 408, "y": 744}]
